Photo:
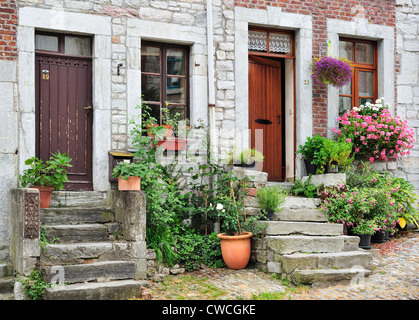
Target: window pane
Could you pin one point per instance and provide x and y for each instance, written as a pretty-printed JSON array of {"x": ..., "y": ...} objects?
[
  {"x": 366, "y": 84},
  {"x": 177, "y": 110},
  {"x": 346, "y": 89},
  {"x": 346, "y": 50},
  {"x": 345, "y": 104},
  {"x": 258, "y": 41},
  {"x": 363, "y": 101},
  {"x": 49, "y": 43},
  {"x": 150, "y": 59},
  {"x": 150, "y": 87},
  {"x": 364, "y": 53},
  {"x": 176, "y": 89},
  {"x": 175, "y": 62},
  {"x": 279, "y": 43},
  {"x": 78, "y": 46}
]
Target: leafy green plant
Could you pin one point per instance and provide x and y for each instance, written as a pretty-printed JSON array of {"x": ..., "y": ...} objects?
[
  {"x": 124, "y": 170},
  {"x": 51, "y": 173},
  {"x": 271, "y": 198},
  {"x": 305, "y": 188},
  {"x": 34, "y": 286},
  {"x": 311, "y": 149},
  {"x": 246, "y": 156}
]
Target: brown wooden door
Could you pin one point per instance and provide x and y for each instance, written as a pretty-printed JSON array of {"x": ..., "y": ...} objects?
[
  {"x": 64, "y": 117},
  {"x": 265, "y": 113}
]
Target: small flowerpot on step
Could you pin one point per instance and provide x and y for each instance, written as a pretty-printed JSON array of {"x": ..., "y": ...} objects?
[
  {"x": 45, "y": 194},
  {"x": 364, "y": 241}
]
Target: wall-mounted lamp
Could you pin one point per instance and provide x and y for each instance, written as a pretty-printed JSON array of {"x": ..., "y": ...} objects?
[{"x": 118, "y": 67}]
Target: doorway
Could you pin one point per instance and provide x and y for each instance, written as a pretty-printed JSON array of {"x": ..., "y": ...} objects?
[{"x": 64, "y": 112}]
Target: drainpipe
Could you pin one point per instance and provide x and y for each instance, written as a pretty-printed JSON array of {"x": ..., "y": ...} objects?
[{"x": 211, "y": 89}]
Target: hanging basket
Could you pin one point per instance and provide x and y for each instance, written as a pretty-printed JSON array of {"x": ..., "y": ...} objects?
[{"x": 334, "y": 71}]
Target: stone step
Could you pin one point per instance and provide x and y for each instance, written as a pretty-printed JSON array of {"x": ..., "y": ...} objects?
[
  {"x": 336, "y": 260},
  {"x": 6, "y": 285},
  {"x": 314, "y": 244},
  {"x": 303, "y": 228},
  {"x": 75, "y": 253},
  {"x": 292, "y": 202},
  {"x": 327, "y": 277},
  {"x": 113, "y": 290},
  {"x": 308, "y": 215},
  {"x": 97, "y": 271},
  {"x": 6, "y": 270},
  {"x": 7, "y": 296},
  {"x": 79, "y": 199},
  {"x": 76, "y": 215},
  {"x": 76, "y": 233}
]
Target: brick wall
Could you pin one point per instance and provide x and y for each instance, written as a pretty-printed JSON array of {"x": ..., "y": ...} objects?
[
  {"x": 8, "y": 25},
  {"x": 376, "y": 11}
]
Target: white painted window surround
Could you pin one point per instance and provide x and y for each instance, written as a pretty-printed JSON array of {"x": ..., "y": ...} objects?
[
  {"x": 360, "y": 28},
  {"x": 273, "y": 17}
]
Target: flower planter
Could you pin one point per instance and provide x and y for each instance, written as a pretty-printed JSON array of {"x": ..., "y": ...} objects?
[
  {"x": 45, "y": 194},
  {"x": 269, "y": 216},
  {"x": 364, "y": 241},
  {"x": 310, "y": 168},
  {"x": 236, "y": 249},
  {"x": 378, "y": 237},
  {"x": 131, "y": 184},
  {"x": 333, "y": 168},
  {"x": 245, "y": 165},
  {"x": 169, "y": 131},
  {"x": 171, "y": 144}
]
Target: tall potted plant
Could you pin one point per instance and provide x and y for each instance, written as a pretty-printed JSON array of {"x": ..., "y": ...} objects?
[
  {"x": 270, "y": 200},
  {"x": 312, "y": 152},
  {"x": 237, "y": 231},
  {"x": 46, "y": 176}
]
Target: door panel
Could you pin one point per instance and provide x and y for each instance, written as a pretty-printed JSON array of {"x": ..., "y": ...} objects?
[
  {"x": 63, "y": 91},
  {"x": 265, "y": 112}
]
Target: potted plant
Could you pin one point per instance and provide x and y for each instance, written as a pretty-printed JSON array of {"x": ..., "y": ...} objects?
[
  {"x": 129, "y": 175},
  {"x": 237, "y": 230},
  {"x": 334, "y": 71},
  {"x": 337, "y": 154},
  {"x": 246, "y": 159},
  {"x": 312, "y": 153},
  {"x": 270, "y": 200},
  {"x": 46, "y": 176},
  {"x": 364, "y": 230}
]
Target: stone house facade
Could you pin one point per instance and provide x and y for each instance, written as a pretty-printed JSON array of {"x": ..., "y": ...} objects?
[{"x": 203, "y": 49}]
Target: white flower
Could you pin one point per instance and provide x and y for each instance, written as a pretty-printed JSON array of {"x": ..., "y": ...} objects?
[
  {"x": 356, "y": 109},
  {"x": 219, "y": 206}
]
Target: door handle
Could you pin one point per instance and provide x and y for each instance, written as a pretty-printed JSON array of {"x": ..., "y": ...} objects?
[
  {"x": 263, "y": 121},
  {"x": 88, "y": 108}
]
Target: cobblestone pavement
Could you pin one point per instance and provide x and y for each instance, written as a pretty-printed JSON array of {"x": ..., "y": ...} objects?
[{"x": 395, "y": 277}]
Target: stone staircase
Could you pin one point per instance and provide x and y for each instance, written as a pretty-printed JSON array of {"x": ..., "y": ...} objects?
[
  {"x": 85, "y": 251},
  {"x": 6, "y": 281},
  {"x": 302, "y": 246}
]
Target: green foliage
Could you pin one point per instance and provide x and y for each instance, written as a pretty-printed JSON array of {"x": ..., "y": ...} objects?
[
  {"x": 247, "y": 156},
  {"x": 195, "y": 249},
  {"x": 311, "y": 148},
  {"x": 51, "y": 173},
  {"x": 34, "y": 286},
  {"x": 271, "y": 198},
  {"x": 124, "y": 170},
  {"x": 305, "y": 188}
]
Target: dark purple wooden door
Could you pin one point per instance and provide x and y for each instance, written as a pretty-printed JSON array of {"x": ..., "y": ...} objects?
[{"x": 64, "y": 116}]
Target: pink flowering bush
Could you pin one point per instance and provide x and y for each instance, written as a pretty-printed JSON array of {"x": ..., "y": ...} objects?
[{"x": 375, "y": 133}]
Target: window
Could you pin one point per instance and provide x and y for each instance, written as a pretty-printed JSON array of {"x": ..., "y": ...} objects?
[
  {"x": 271, "y": 43},
  {"x": 164, "y": 79},
  {"x": 64, "y": 44},
  {"x": 363, "y": 87}
]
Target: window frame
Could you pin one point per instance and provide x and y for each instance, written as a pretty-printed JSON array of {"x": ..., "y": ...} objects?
[
  {"x": 61, "y": 44},
  {"x": 358, "y": 66},
  {"x": 164, "y": 76},
  {"x": 268, "y": 31}
]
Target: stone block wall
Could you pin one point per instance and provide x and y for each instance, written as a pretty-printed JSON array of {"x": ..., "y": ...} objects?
[
  {"x": 9, "y": 115},
  {"x": 407, "y": 84}
]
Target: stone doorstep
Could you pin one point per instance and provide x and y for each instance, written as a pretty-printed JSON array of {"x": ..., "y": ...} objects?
[
  {"x": 76, "y": 215},
  {"x": 339, "y": 260},
  {"x": 79, "y": 199},
  {"x": 77, "y": 232},
  {"x": 79, "y": 252},
  {"x": 308, "y": 215},
  {"x": 302, "y": 228},
  {"x": 113, "y": 290},
  {"x": 281, "y": 245},
  {"x": 326, "y": 277},
  {"x": 100, "y": 271}
]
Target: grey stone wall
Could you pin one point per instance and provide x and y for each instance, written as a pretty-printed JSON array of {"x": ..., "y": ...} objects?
[{"x": 407, "y": 84}]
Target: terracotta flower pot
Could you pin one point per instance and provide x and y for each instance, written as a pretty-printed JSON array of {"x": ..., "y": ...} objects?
[
  {"x": 168, "y": 133},
  {"x": 236, "y": 249},
  {"x": 132, "y": 184},
  {"x": 45, "y": 194}
]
